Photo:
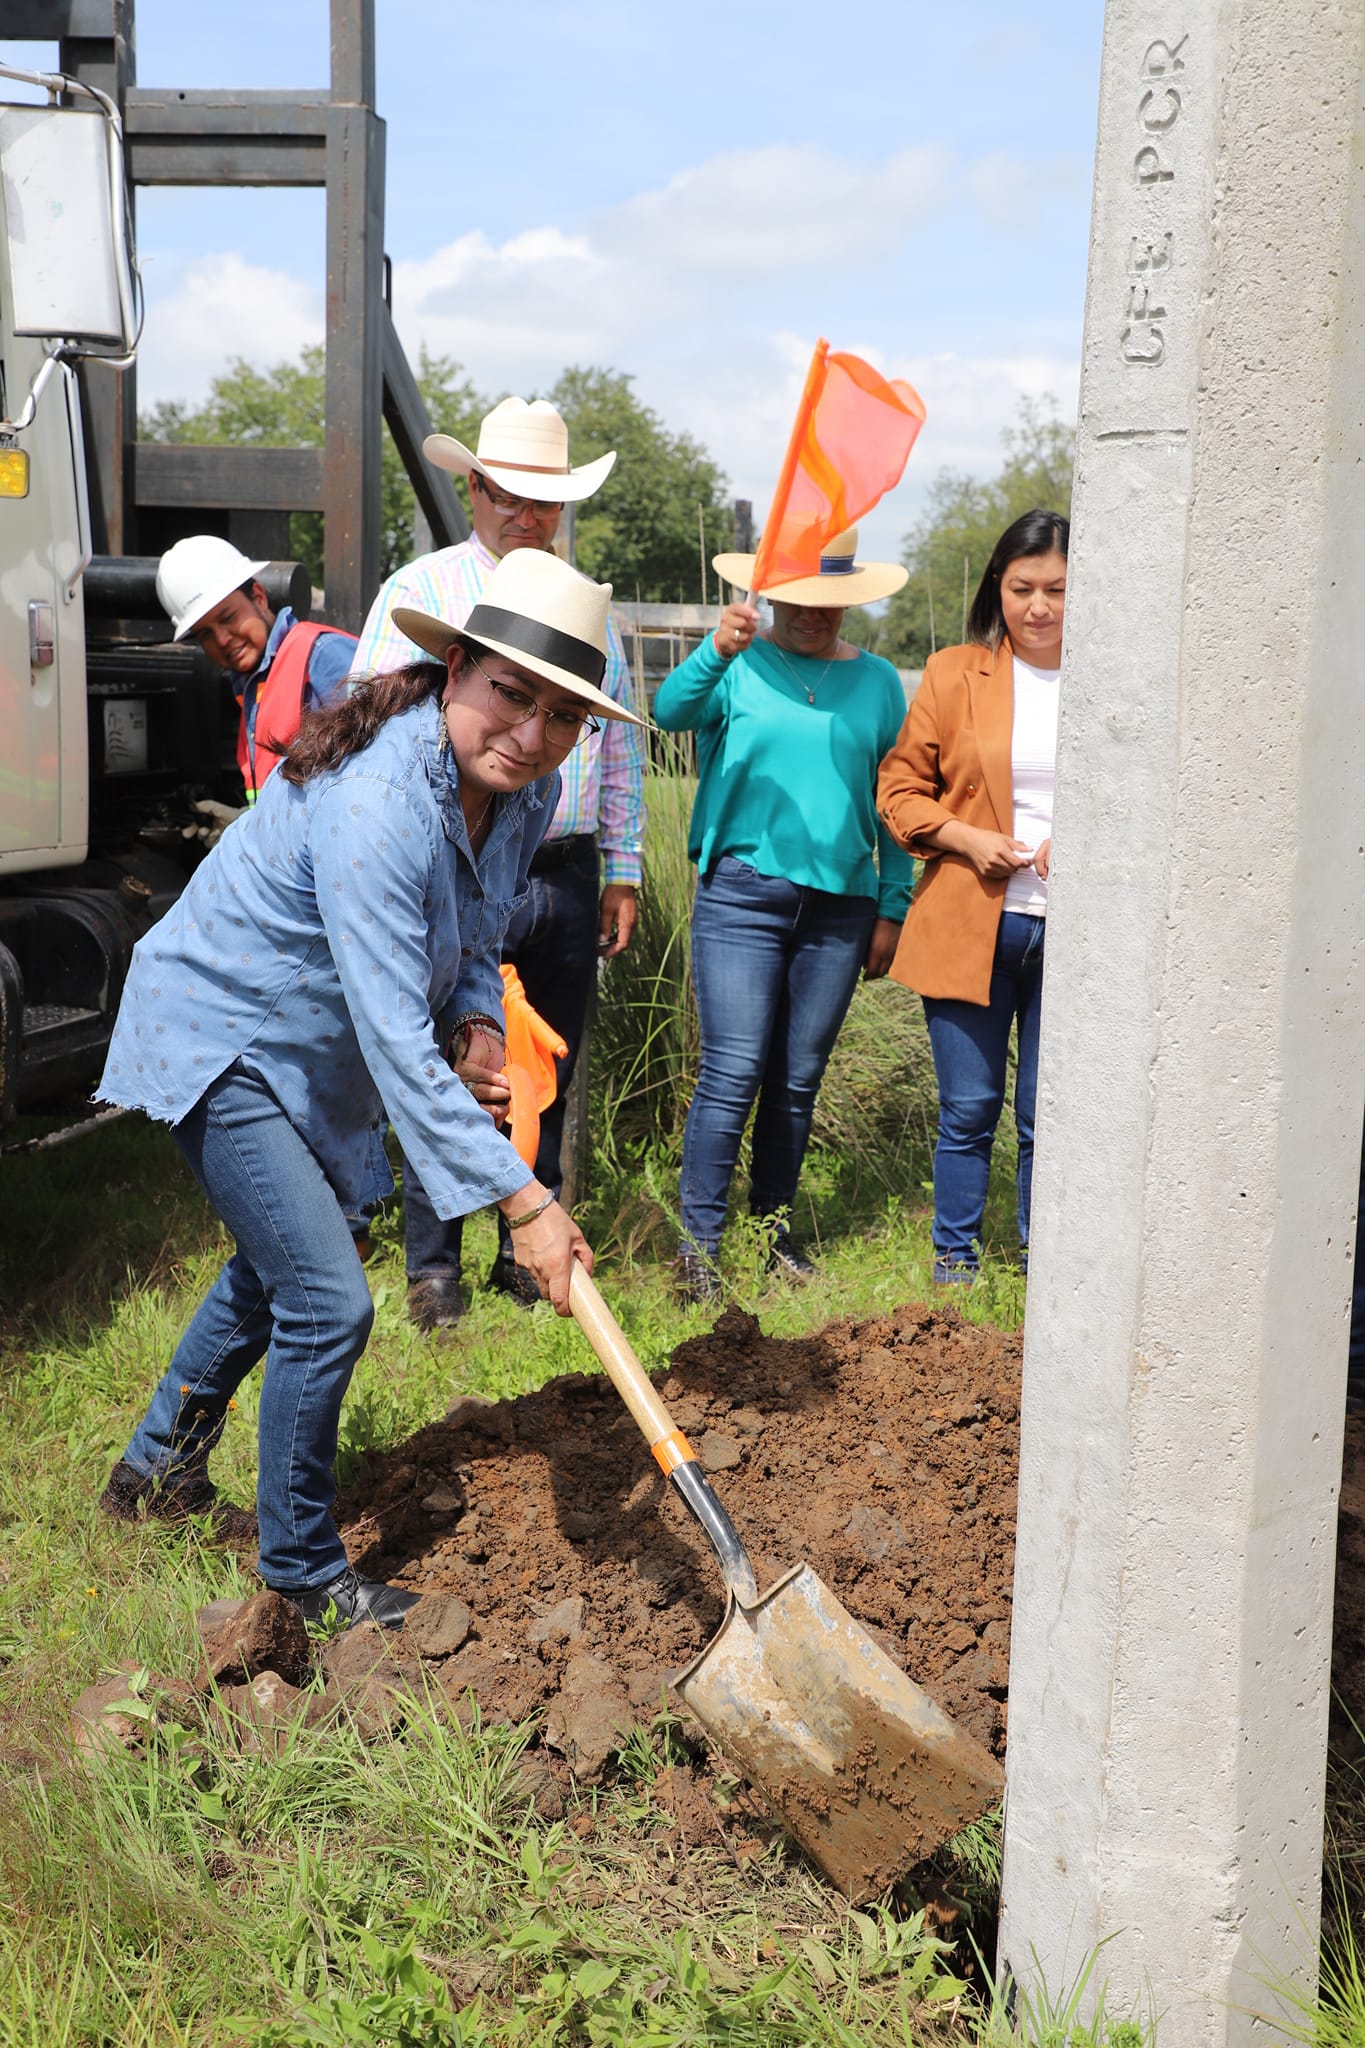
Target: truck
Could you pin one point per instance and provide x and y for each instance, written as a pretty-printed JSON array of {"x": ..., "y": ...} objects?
[{"x": 110, "y": 731}]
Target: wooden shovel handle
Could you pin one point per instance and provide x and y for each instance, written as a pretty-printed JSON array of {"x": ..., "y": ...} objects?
[
  {"x": 618, "y": 1359},
  {"x": 671, "y": 1449}
]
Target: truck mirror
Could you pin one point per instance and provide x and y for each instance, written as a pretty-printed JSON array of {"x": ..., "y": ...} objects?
[{"x": 71, "y": 277}]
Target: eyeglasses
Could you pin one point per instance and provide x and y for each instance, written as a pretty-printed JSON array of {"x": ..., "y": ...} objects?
[
  {"x": 514, "y": 707},
  {"x": 510, "y": 507}
]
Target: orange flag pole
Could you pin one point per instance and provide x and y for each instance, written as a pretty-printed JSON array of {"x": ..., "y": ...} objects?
[{"x": 815, "y": 384}]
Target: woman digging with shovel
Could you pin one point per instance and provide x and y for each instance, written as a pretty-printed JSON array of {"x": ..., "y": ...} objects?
[{"x": 342, "y": 933}]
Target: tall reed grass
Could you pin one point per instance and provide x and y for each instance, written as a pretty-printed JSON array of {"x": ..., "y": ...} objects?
[{"x": 646, "y": 1045}]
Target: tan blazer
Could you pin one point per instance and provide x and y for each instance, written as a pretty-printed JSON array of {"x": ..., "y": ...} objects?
[{"x": 952, "y": 760}]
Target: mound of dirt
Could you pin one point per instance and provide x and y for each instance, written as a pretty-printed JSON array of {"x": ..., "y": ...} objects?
[{"x": 884, "y": 1452}]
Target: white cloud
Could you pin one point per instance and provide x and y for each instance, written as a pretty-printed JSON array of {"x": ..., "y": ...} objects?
[
  {"x": 201, "y": 315},
  {"x": 779, "y": 208},
  {"x": 693, "y": 256},
  {"x": 688, "y": 288}
]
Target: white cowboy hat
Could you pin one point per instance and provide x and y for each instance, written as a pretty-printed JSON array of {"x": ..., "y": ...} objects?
[
  {"x": 842, "y": 580},
  {"x": 542, "y": 615},
  {"x": 523, "y": 449}
]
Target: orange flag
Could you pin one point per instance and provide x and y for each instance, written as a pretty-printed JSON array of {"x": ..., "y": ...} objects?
[
  {"x": 532, "y": 1048},
  {"x": 852, "y": 439}
]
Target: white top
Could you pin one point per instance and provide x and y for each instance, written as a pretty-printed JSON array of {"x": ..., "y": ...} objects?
[{"x": 1033, "y": 758}]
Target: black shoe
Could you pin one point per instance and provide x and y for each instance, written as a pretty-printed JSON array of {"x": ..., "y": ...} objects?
[
  {"x": 133, "y": 1496},
  {"x": 507, "y": 1277},
  {"x": 435, "y": 1301},
  {"x": 351, "y": 1599},
  {"x": 784, "y": 1258},
  {"x": 696, "y": 1279}
]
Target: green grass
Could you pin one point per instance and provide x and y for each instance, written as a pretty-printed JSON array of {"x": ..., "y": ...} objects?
[{"x": 407, "y": 1892}]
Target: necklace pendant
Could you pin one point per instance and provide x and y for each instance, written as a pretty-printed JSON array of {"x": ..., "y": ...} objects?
[{"x": 810, "y": 696}]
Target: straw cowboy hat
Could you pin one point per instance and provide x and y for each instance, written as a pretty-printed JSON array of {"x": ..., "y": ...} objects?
[
  {"x": 842, "y": 580},
  {"x": 523, "y": 449},
  {"x": 542, "y": 615}
]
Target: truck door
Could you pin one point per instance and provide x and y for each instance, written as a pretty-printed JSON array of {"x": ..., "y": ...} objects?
[{"x": 44, "y": 549}]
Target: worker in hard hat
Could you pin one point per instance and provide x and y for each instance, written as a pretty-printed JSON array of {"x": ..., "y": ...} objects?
[{"x": 282, "y": 666}]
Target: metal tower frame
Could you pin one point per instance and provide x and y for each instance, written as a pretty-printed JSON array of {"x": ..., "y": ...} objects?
[{"x": 142, "y": 491}]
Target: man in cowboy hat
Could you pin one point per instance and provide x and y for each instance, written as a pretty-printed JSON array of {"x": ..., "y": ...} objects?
[{"x": 581, "y": 906}]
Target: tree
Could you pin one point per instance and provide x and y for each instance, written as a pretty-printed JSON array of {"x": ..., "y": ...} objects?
[
  {"x": 284, "y": 406},
  {"x": 641, "y": 531},
  {"x": 947, "y": 550}
]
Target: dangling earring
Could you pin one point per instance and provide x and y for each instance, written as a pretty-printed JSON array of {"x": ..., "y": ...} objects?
[{"x": 444, "y": 746}]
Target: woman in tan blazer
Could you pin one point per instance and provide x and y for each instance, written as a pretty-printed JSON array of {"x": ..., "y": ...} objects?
[{"x": 967, "y": 788}]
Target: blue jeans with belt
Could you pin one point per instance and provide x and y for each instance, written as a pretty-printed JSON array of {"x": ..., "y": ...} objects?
[
  {"x": 774, "y": 966},
  {"x": 293, "y": 1293},
  {"x": 552, "y": 943},
  {"x": 970, "y": 1043}
]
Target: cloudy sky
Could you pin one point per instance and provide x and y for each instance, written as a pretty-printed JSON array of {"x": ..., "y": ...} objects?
[{"x": 688, "y": 193}]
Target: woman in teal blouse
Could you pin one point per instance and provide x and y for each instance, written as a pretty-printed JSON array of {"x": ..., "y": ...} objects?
[{"x": 800, "y": 887}]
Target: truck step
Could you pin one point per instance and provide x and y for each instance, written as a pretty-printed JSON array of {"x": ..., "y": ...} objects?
[{"x": 48, "y": 1019}]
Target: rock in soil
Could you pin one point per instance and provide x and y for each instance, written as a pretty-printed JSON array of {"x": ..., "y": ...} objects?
[
  {"x": 884, "y": 1451},
  {"x": 589, "y": 1717},
  {"x": 265, "y": 1633},
  {"x": 111, "y": 1716},
  {"x": 258, "y": 1715},
  {"x": 437, "y": 1625}
]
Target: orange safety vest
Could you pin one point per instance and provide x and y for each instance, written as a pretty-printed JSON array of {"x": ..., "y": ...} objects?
[{"x": 279, "y": 706}]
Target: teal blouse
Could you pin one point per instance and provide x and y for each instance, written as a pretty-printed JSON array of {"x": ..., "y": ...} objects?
[{"x": 787, "y": 785}]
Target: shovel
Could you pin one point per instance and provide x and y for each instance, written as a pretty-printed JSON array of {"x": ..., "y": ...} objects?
[{"x": 859, "y": 1764}]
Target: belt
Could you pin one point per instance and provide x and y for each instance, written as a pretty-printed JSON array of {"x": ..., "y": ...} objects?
[{"x": 558, "y": 853}]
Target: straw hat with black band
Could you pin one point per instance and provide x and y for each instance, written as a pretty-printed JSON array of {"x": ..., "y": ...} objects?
[
  {"x": 842, "y": 579},
  {"x": 540, "y": 614},
  {"x": 523, "y": 448}
]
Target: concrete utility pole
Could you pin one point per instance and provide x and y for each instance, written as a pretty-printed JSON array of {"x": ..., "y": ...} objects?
[{"x": 1204, "y": 1035}]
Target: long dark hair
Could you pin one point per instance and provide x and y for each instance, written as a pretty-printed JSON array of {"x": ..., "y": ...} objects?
[
  {"x": 1035, "y": 533},
  {"x": 330, "y": 734}
]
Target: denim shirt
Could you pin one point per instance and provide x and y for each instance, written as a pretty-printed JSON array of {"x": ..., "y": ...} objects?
[{"x": 328, "y": 942}]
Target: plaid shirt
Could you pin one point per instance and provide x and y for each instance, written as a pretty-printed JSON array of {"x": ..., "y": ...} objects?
[{"x": 603, "y": 779}]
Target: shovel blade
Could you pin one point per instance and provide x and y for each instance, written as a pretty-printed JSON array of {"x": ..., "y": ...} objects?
[{"x": 862, "y": 1768}]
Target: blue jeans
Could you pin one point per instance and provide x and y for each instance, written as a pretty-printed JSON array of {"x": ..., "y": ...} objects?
[
  {"x": 774, "y": 966},
  {"x": 552, "y": 943},
  {"x": 293, "y": 1293},
  {"x": 970, "y": 1044}
]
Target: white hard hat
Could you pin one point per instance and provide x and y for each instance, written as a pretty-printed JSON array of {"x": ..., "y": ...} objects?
[{"x": 198, "y": 573}]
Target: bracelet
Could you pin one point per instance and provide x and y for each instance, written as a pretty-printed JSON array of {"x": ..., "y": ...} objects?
[
  {"x": 529, "y": 1215},
  {"x": 466, "y": 1021}
]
